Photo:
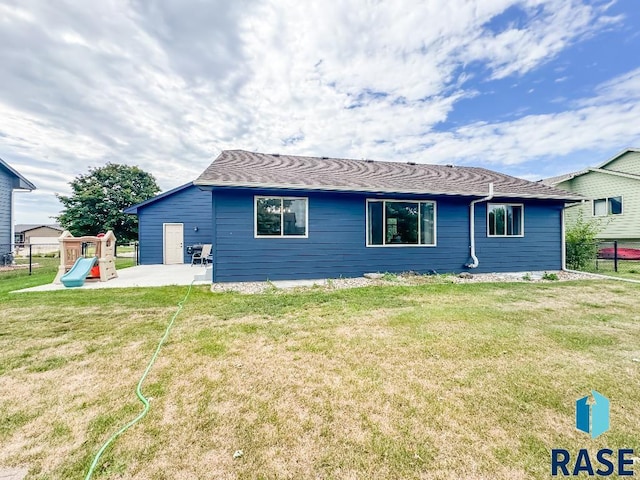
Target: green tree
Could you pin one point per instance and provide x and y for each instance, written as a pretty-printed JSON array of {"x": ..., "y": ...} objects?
[
  {"x": 581, "y": 243},
  {"x": 98, "y": 198}
]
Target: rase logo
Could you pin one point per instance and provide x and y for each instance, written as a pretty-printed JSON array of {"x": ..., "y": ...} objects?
[{"x": 592, "y": 417}]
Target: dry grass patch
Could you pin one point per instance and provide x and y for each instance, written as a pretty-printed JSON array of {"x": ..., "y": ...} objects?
[{"x": 433, "y": 381}]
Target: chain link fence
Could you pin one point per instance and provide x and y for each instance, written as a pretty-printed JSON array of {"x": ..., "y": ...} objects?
[{"x": 46, "y": 256}]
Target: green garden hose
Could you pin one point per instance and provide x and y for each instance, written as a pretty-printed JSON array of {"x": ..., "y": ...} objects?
[{"x": 139, "y": 393}]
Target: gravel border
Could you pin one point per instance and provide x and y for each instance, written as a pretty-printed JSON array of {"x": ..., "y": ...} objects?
[{"x": 401, "y": 279}]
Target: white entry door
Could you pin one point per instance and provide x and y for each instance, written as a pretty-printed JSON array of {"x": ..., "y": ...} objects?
[{"x": 173, "y": 242}]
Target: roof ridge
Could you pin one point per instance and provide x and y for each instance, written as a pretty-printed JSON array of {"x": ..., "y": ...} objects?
[
  {"x": 244, "y": 169},
  {"x": 366, "y": 160}
]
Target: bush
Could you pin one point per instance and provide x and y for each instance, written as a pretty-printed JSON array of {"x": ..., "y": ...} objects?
[{"x": 582, "y": 247}]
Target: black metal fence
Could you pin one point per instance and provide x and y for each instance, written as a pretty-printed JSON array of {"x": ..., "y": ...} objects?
[
  {"x": 618, "y": 257},
  {"x": 29, "y": 257},
  {"x": 605, "y": 257}
]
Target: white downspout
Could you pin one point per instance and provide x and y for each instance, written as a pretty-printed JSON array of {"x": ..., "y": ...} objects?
[
  {"x": 12, "y": 228},
  {"x": 564, "y": 241},
  {"x": 472, "y": 227}
]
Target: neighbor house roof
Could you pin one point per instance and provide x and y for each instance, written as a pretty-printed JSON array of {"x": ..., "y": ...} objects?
[
  {"x": 239, "y": 168},
  {"x": 553, "y": 181},
  {"x": 618, "y": 155},
  {"x": 134, "y": 208},
  {"x": 23, "y": 183},
  {"x": 25, "y": 227}
]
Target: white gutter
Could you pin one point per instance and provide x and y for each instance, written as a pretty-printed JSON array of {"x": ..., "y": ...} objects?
[
  {"x": 472, "y": 227},
  {"x": 374, "y": 190}
]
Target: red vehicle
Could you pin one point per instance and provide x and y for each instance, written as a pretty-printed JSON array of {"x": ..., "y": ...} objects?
[{"x": 623, "y": 253}]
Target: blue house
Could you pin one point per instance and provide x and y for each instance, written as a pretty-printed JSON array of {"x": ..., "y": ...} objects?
[
  {"x": 171, "y": 221},
  {"x": 291, "y": 217},
  {"x": 10, "y": 180}
]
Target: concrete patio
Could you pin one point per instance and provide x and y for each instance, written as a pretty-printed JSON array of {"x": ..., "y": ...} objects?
[{"x": 142, "y": 276}]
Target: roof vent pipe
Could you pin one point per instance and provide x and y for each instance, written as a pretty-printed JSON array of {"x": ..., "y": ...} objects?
[{"x": 473, "y": 260}]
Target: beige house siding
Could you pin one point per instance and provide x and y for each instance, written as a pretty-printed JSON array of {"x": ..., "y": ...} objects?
[
  {"x": 595, "y": 185},
  {"x": 627, "y": 163},
  {"x": 42, "y": 232}
]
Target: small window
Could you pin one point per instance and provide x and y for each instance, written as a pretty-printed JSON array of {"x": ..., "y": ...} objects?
[
  {"x": 600, "y": 207},
  {"x": 607, "y": 206},
  {"x": 281, "y": 217},
  {"x": 400, "y": 223},
  {"x": 505, "y": 220},
  {"x": 615, "y": 206}
]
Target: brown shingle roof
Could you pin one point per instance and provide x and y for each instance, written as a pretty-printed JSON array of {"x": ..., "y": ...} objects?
[
  {"x": 239, "y": 168},
  {"x": 553, "y": 181}
]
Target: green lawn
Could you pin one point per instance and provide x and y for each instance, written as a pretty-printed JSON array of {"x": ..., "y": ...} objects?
[
  {"x": 434, "y": 381},
  {"x": 626, "y": 268}
]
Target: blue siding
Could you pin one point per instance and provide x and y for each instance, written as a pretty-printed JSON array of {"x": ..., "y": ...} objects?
[
  {"x": 190, "y": 206},
  {"x": 337, "y": 238},
  {"x": 539, "y": 249},
  {"x": 6, "y": 187}
]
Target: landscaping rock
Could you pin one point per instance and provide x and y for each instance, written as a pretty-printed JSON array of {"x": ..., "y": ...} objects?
[
  {"x": 373, "y": 276},
  {"x": 340, "y": 283}
]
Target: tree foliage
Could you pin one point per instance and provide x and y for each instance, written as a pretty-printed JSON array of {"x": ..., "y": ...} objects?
[
  {"x": 98, "y": 198},
  {"x": 581, "y": 243}
]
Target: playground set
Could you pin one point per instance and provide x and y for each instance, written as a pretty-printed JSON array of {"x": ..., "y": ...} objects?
[{"x": 77, "y": 265}]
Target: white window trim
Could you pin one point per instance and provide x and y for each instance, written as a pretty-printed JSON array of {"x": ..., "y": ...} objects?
[
  {"x": 282, "y": 235},
  {"x": 506, "y": 204},
  {"x": 606, "y": 201},
  {"x": 384, "y": 223}
]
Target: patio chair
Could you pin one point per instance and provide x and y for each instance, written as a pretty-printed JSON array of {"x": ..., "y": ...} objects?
[{"x": 201, "y": 256}]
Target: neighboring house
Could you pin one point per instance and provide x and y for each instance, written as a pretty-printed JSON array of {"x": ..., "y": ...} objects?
[
  {"x": 10, "y": 180},
  {"x": 180, "y": 217},
  {"x": 613, "y": 192},
  {"x": 287, "y": 217},
  {"x": 37, "y": 239},
  {"x": 37, "y": 234}
]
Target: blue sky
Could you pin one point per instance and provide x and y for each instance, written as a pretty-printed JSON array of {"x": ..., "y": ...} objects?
[{"x": 532, "y": 88}]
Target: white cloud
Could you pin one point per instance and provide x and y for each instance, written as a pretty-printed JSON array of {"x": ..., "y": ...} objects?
[
  {"x": 554, "y": 25},
  {"x": 608, "y": 120},
  {"x": 166, "y": 84}
]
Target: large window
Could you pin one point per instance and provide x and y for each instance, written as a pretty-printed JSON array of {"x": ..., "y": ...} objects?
[
  {"x": 281, "y": 217},
  {"x": 607, "y": 206},
  {"x": 505, "y": 220},
  {"x": 401, "y": 223}
]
